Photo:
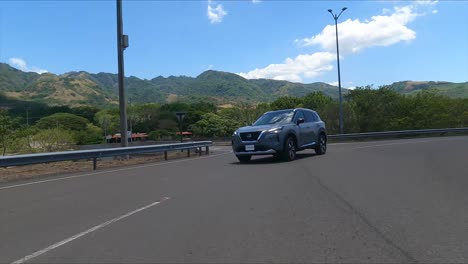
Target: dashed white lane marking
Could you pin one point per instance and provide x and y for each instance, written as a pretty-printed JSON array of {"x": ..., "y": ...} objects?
[
  {"x": 93, "y": 229},
  {"x": 109, "y": 171}
]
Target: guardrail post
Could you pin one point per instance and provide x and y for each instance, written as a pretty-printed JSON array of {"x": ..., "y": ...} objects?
[
  {"x": 188, "y": 152},
  {"x": 199, "y": 151},
  {"x": 94, "y": 163},
  {"x": 207, "y": 150},
  {"x": 165, "y": 155}
]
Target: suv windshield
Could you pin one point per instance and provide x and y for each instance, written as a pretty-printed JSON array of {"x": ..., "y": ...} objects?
[{"x": 277, "y": 117}]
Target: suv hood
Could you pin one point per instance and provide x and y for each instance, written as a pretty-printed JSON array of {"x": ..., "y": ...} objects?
[{"x": 257, "y": 128}]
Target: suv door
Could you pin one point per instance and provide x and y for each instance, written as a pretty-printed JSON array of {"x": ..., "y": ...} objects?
[
  {"x": 305, "y": 134},
  {"x": 310, "y": 122}
]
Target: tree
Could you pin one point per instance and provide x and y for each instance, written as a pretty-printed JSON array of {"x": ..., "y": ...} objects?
[
  {"x": 464, "y": 119},
  {"x": 203, "y": 106},
  {"x": 22, "y": 141},
  {"x": 144, "y": 117},
  {"x": 53, "y": 139},
  {"x": 374, "y": 108},
  {"x": 108, "y": 120},
  {"x": 87, "y": 112},
  {"x": 92, "y": 135},
  {"x": 317, "y": 101},
  {"x": 160, "y": 134},
  {"x": 286, "y": 102},
  {"x": 260, "y": 109},
  {"x": 213, "y": 125},
  {"x": 63, "y": 120},
  {"x": 6, "y": 130},
  {"x": 430, "y": 110},
  {"x": 168, "y": 124}
]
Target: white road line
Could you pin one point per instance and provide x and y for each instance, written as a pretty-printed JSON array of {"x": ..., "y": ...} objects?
[
  {"x": 93, "y": 229},
  {"x": 109, "y": 171}
]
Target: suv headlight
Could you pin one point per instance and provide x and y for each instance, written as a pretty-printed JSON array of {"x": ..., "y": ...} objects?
[
  {"x": 275, "y": 130},
  {"x": 235, "y": 133}
]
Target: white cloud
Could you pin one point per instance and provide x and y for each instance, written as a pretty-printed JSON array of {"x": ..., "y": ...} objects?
[
  {"x": 208, "y": 67},
  {"x": 348, "y": 85},
  {"x": 215, "y": 12},
  {"x": 22, "y": 65},
  {"x": 18, "y": 63},
  {"x": 354, "y": 35},
  {"x": 383, "y": 30},
  {"x": 305, "y": 65},
  {"x": 426, "y": 2}
]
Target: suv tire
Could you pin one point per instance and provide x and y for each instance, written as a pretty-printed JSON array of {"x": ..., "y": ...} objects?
[
  {"x": 244, "y": 158},
  {"x": 321, "y": 148},
  {"x": 289, "y": 151}
]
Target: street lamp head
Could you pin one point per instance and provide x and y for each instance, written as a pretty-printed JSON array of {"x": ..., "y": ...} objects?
[
  {"x": 329, "y": 10},
  {"x": 180, "y": 116},
  {"x": 344, "y": 8}
]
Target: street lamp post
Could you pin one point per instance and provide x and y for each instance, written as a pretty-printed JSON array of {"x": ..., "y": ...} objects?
[
  {"x": 180, "y": 118},
  {"x": 335, "y": 17},
  {"x": 122, "y": 44},
  {"x": 130, "y": 120}
]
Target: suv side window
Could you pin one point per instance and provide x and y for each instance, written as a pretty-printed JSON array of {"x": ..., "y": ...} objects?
[
  {"x": 298, "y": 115},
  {"x": 317, "y": 118},
  {"x": 309, "y": 117}
]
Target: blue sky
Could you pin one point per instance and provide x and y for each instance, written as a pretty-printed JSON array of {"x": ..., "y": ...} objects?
[{"x": 380, "y": 41}]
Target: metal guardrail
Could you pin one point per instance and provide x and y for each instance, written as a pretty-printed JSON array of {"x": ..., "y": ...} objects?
[
  {"x": 400, "y": 133},
  {"x": 95, "y": 154}
]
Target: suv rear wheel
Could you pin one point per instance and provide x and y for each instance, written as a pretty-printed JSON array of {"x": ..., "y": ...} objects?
[
  {"x": 321, "y": 148},
  {"x": 289, "y": 151}
]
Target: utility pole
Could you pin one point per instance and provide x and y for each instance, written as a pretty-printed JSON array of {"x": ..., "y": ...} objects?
[
  {"x": 122, "y": 43},
  {"x": 335, "y": 17}
]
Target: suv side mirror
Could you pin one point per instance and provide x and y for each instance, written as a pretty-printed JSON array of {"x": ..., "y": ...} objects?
[{"x": 300, "y": 121}]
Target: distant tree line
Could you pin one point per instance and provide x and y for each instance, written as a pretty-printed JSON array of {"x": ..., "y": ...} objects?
[{"x": 31, "y": 127}]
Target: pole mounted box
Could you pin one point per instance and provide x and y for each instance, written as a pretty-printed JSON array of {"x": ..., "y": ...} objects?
[{"x": 125, "y": 43}]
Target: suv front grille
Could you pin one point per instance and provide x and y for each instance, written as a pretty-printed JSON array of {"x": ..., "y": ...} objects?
[{"x": 250, "y": 136}]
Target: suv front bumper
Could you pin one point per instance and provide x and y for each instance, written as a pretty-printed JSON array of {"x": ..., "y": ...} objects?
[{"x": 267, "y": 144}]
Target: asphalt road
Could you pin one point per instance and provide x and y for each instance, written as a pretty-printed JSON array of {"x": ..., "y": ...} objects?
[{"x": 385, "y": 201}]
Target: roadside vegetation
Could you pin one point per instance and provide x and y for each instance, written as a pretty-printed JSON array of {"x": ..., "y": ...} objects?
[{"x": 28, "y": 127}]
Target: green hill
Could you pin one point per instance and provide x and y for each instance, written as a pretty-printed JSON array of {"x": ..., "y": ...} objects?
[
  {"x": 285, "y": 88},
  {"x": 453, "y": 90},
  {"x": 83, "y": 88}
]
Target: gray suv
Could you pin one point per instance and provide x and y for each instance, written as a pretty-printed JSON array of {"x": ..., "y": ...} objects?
[{"x": 281, "y": 133}]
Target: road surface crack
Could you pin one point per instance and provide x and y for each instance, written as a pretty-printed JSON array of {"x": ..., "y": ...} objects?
[{"x": 363, "y": 218}]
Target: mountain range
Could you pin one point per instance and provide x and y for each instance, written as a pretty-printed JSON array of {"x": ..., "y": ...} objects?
[
  {"x": 83, "y": 88},
  {"x": 101, "y": 89}
]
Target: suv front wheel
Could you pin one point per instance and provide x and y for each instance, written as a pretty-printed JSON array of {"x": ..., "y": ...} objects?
[
  {"x": 244, "y": 158},
  {"x": 289, "y": 151}
]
